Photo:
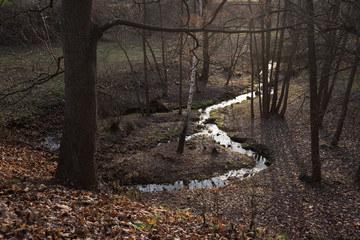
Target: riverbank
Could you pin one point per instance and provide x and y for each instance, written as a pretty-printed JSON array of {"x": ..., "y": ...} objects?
[{"x": 275, "y": 198}]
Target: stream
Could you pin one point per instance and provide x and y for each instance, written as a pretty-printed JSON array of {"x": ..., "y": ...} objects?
[
  {"x": 212, "y": 130},
  {"x": 221, "y": 138}
]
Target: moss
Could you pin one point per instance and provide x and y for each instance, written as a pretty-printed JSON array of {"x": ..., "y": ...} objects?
[{"x": 218, "y": 116}]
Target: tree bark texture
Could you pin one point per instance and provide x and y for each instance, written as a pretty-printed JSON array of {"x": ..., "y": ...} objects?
[{"x": 77, "y": 149}]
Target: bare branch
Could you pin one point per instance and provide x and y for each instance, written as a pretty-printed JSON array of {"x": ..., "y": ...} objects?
[
  {"x": 123, "y": 22},
  {"x": 50, "y": 5},
  {"x": 40, "y": 79},
  {"x": 216, "y": 13}
]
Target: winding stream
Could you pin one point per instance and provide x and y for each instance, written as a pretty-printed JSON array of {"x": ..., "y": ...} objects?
[
  {"x": 212, "y": 130},
  {"x": 221, "y": 138}
]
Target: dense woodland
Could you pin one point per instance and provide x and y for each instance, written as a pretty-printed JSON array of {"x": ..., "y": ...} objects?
[{"x": 103, "y": 100}]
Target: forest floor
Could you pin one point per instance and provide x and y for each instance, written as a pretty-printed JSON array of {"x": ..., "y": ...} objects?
[{"x": 274, "y": 200}]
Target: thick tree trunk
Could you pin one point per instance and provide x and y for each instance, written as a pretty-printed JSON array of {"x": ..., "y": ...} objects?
[
  {"x": 314, "y": 108},
  {"x": 77, "y": 149}
]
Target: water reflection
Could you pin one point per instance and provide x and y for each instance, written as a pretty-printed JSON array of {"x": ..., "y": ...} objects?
[{"x": 52, "y": 141}]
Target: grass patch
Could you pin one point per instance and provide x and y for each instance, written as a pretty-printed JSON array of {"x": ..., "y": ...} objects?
[
  {"x": 165, "y": 135},
  {"x": 112, "y": 59}
]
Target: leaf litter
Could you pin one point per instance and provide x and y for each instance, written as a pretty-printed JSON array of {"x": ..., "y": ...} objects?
[{"x": 32, "y": 207}]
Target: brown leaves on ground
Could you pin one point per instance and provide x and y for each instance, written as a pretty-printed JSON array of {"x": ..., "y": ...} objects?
[
  {"x": 31, "y": 208},
  {"x": 284, "y": 204}
]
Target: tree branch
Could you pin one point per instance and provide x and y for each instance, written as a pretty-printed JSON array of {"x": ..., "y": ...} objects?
[
  {"x": 50, "y": 5},
  {"x": 122, "y": 22},
  {"x": 40, "y": 79},
  {"x": 216, "y": 13}
]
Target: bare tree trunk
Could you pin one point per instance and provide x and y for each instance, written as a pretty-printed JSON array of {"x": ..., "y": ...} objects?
[
  {"x": 325, "y": 76},
  {"x": 165, "y": 90},
  {"x": 180, "y": 63},
  {"x": 234, "y": 57},
  {"x": 251, "y": 27},
  {"x": 157, "y": 65},
  {"x": 146, "y": 78},
  {"x": 330, "y": 49},
  {"x": 314, "y": 108},
  {"x": 328, "y": 94},
  {"x": 197, "y": 88},
  {"x": 265, "y": 48},
  {"x": 258, "y": 73},
  {"x": 341, "y": 121},
  {"x": 181, "y": 144},
  {"x": 278, "y": 61},
  {"x": 77, "y": 150},
  {"x": 206, "y": 59},
  {"x": 181, "y": 73},
  {"x": 126, "y": 55},
  {"x": 282, "y": 102},
  {"x": 286, "y": 84},
  {"x": 188, "y": 109},
  {"x": 252, "y": 70}
]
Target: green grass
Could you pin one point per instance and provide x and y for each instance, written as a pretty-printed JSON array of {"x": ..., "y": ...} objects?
[{"x": 112, "y": 59}]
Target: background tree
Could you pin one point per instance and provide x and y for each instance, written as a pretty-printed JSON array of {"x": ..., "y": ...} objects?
[
  {"x": 313, "y": 85},
  {"x": 344, "y": 107}
]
